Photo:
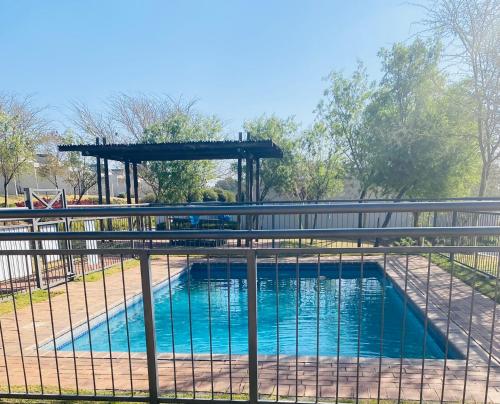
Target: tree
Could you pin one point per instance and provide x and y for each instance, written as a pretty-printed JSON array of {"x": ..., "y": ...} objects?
[
  {"x": 318, "y": 172},
  {"x": 80, "y": 172},
  {"x": 228, "y": 184},
  {"x": 176, "y": 181},
  {"x": 342, "y": 112},
  {"x": 54, "y": 165},
  {"x": 125, "y": 117},
  {"x": 20, "y": 128},
  {"x": 275, "y": 174},
  {"x": 421, "y": 149},
  {"x": 154, "y": 119},
  {"x": 472, "y": 29},
  {"x": 92, "y": 125},
  {"x": 133, "y": 114}
]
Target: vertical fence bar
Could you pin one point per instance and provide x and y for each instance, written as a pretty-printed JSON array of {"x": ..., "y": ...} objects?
[
  {"x": 127, "y": 331},
  {"x": 252, "y": 327},
  {"x": 454, "y": 241},
  {"x": 469, "y": 332},
  {"x": 228, "y": 274},
  {"x": 360, "y": 327},
  {"x": 34, "y": 244},
  {"x": 338, "y": 331},
  {"x": 382, "y": 321},
  {"x": 297, "y": 303},
  {"x": 34, "y": 329},
  {"x": 447, "y": 338},
  {"x": 426, "y": 326},
  {"x": 403, "y": 329},
  {"x": 492, "y": 332},
  {"x": 172, "y": 324},
  {"x": 190, "y": 318},
  {"x": 5, "y": 359},
  {"x": 88, "y": 325},
  {"x": 318, "y": 302},
  {"x": 210, "y": 329},
  {"x": 149, "y": 324},
  {"x": 108, "y": 328},
  {"x": 277, "y": 331}
]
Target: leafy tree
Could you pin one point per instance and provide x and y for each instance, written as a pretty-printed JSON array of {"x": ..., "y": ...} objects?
[
  {"x": 275, "y": 174},
  {"x": 125, "y": 117},
  {"x": 54, "y": 165},
  {"x": 80, "y": 170},
  {"x": 471, "y": 28},
  {"x": 20, "y": 128},
  {"x": 177, "y": 181},
  {"x": 210, "y": 195},
  {"x": 420, "y": 149},
  {"x": 341, "y": 111},
  {"x": 318, "y": 172},
  {"x": 228, "y": 184}
]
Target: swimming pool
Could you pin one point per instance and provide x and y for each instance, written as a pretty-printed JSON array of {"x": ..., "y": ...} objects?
[{"x": 277, "y": 302}]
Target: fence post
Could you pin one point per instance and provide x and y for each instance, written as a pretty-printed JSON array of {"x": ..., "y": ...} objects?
[
  {"x": 300, "y": 227},
  {"x": 253, "y": 377},
  {"x": 34, "y": 244},
  {"x": 454, "y": 220},
  {"x": 68, "y": 244},
  {"x": 273, "y": 225},
  {"x": 149, "y": 325},
  {"x": 416, "y": 217},
  {"x": 360, "y": 226}
]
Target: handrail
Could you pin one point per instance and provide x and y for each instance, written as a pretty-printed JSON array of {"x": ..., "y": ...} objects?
[
  {"x": 258, "y": 234},
  {"x": 490, "y": 206}
]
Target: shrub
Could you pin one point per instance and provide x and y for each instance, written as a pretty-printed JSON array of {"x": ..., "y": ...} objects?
[
  {"x": 148, "y": 198},
  {"x": 195, "y": 196},
  {"x": 209, "y": 195},
  {"x": 230, "y": 196}
]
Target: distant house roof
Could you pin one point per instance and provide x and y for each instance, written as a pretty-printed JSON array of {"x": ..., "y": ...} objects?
[{"x": 204, "y": 150}]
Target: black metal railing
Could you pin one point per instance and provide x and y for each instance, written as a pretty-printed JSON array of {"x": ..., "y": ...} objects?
[{"x": 398, "y": 318}]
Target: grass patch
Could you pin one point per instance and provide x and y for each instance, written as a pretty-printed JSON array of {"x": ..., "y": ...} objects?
[
  {"x": 23, "y": 300},
  {"x": 482, "y": 283},
  {"x": 54, "y": 390},
  {"x": 113, "y": 269}
]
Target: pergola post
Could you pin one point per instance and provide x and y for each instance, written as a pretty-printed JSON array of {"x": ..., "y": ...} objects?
[
  {"x": 127, "y": 182},
  {"x": 127, "y": 189},
  {"x": 248, "y": 192},
  {"x": 257, "y": 188},
  {"x": 239, "y": 197},
  {"x": 249, "y": 173},
  {"x": 99, "y": 175},
  {"x": 136, "y": 183},
  {"x": 257, "y": 180},
  {"x": 106, "y": 178},
  {"x": 138, "y": 219}
]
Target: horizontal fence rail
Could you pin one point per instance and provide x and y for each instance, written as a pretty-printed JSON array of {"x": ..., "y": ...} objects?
[
  {"x": 117, "y": 307},
  {"x": 258, "y": 234},
  {"x": 485, "y": 206}
]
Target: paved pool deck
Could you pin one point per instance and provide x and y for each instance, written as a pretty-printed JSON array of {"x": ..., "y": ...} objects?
[{"x": 292, "y": 378}]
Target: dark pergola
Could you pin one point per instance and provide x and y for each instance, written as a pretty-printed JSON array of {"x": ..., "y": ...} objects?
[{"x": 250, "y": 151}]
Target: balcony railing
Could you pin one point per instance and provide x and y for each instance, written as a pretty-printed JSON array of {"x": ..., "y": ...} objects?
[{"x": 284, "y": 302}]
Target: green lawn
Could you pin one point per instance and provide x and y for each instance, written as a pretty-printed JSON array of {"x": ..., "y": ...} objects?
[
  {"x": 113, "y": 269},
  {"x": 482, "y": 283},
  {"x": 23, "y": 300}
]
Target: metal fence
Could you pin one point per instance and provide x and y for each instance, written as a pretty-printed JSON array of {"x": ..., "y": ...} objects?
[{"x": 395, "y": 319}]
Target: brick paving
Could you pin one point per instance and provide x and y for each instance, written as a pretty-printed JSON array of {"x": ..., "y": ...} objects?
[{"x": 293, "y": 378}]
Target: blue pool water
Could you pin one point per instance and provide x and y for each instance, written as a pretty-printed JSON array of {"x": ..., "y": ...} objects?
[{"x": 369, "y": 287}]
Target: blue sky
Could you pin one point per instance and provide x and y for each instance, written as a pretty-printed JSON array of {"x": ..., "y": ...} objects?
[{"x": 238, "y": 58}]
